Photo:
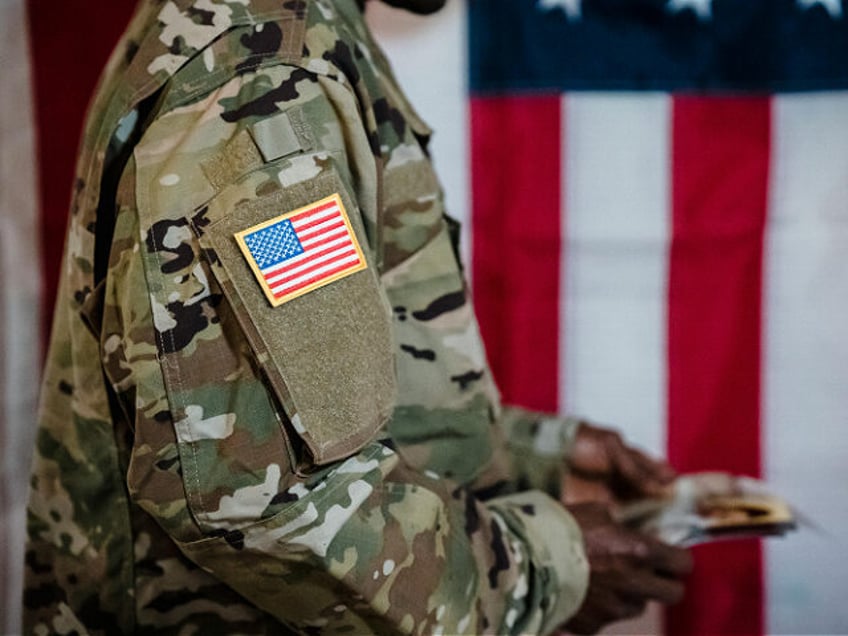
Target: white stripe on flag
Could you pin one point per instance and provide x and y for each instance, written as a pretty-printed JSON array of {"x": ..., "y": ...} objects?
[
  {"x": 616, "y": 227},
  {"x": 308, "y": 237},
  {"x": 806, "y": 356},
  {"x": 328, "y": 216},
  {"x": 313, "y": 240},
  {"x": 290, "y": 266},
  {"x": 288, "y": 286}
]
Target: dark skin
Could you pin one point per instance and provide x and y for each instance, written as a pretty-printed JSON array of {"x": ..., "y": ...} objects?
[
  {"x": 626, "y": 569},
  {"x": 604, "y": 468}
]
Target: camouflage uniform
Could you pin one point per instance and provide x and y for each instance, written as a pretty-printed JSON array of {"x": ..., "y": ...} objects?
[{"x": 209, "y": 463}]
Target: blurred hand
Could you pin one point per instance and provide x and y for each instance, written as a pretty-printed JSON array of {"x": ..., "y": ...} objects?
[
  {"x": 626, "y": 570},
  {"x": 604, "y": 468}
]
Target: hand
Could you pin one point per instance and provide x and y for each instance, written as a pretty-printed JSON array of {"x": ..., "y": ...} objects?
[
  {"x": 604, "y": 468},
  {"x": 626, "y": 570}
]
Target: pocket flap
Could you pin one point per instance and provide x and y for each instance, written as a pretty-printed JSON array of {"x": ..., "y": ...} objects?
[{"x": 327, "y": 349}]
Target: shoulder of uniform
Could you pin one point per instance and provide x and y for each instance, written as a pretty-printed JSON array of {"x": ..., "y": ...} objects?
[
  {"x": 192, "y": 43},
  {"x": 321, "y": 37}
]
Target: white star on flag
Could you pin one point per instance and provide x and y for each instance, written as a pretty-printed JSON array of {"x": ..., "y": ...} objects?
[
  {"x": 833, "y": 7},
  {"x": 702, "y": 8},
  {"x": 572, "y": 8}
]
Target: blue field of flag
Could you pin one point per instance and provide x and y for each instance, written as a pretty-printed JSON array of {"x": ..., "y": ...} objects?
[{"x": 665, "y": 45}]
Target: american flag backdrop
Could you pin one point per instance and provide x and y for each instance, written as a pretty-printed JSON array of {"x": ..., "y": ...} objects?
[
  {"x": 660, "y": 216},
  {"x": 657, "y": 241}
]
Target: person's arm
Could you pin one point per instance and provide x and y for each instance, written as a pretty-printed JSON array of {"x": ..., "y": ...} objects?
[
  {"x": 589, "y": 469},
  {"x": 362, "y": 543},
  {"x": 628, "y": 569},
  {"x": 576, "y": 461},
  {"x": 258, "y": 430},
  {"x": 538, "y": 446}
]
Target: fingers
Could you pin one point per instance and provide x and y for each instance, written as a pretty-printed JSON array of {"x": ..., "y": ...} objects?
[
  {"x": 651, "y": 468},
  {"x": 658, "y": 568},
  {"x": 603, "y": 606},
  {"x": 668, "y": 559},
  {"x": 627, "y": 569},
  {"x": 601, "y": 454},
  {"x": 661, "y": 470},
  {"x": 643, "y": 569},
  {"x": 590, "y": 454},
  {"x": 577, "y": 489},
  {"x": 593, "y": 623},
  {"x": 638, "y": 473},
  {"x": 646, "y": 585}
]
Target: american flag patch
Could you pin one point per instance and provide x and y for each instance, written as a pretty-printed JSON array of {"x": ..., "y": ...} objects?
[{"x": 300, "y": 251}]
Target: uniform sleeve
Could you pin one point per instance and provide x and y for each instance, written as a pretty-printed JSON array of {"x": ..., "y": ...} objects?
[
  {"x": 538, "y": 446},
  {"x": 259, "y": 431}
]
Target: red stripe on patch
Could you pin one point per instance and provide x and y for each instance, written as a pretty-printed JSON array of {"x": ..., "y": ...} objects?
[
  {"x": 348, "y": 251},
  {"x": 318, "y": 277}
]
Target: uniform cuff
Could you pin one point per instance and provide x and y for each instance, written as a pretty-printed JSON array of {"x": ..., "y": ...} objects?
[
  {"x": 556, "y": 544},
  {"x": 540, "y": 446}
]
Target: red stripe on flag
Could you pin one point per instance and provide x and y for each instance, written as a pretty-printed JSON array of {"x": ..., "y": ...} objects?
[
  {"x": 308, "y": 231},
  {"x": 348, "y": 250},
  {"x": 721, "y": 149},
  {"x": 273, "y": 276},
  {"x": 320, "y": 208},
  {"x": 516, "y": 182},
  {"x": 314, "y": 279},
  {"x": 307, "y": 220}
]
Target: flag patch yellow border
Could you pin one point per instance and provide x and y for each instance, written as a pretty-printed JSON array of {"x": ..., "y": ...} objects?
[{"x": 302, "y": 250}]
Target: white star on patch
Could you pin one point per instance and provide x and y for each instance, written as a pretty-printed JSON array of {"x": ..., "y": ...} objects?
[
  {"x": 833, "y": 7},
  {"x": 572, "y": 8},
  {"x": 702, "y": 8}
]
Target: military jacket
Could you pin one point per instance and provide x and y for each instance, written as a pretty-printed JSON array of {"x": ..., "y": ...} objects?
[{"x": 320, "y": 448}]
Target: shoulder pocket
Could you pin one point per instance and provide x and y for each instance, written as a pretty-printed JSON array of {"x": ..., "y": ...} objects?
[{"x": 326, "y": 349}]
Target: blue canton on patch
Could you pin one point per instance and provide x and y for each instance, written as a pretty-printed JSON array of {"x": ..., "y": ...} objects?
[{"x": 273, "y": 244}]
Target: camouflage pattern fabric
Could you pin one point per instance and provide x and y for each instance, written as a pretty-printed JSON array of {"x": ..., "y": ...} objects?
[{"x": 208, "y": 463}]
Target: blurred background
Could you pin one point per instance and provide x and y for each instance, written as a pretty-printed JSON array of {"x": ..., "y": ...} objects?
[{"x": 655, "y": 202}]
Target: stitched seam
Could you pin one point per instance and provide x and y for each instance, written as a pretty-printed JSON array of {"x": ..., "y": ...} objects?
[
  {"x": 248, "y": 64},
  {"x": 157, "y": 80},
  {"x": 334, "y": 486},
  {"x": 178, "y": 382}
]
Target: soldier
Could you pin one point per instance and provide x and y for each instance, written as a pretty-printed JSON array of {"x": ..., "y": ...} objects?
[{"x": 266, "y": 405}]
